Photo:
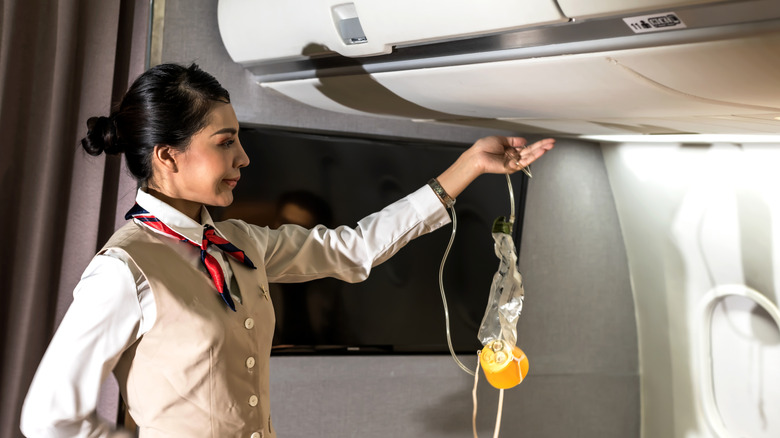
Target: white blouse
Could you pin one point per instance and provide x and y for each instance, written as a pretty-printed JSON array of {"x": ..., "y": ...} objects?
[{"x": 113, "y": 305}]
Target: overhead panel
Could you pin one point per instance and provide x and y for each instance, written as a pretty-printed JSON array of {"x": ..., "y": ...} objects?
[
  {"x": 742, "y": 72},
  {"x": 688, "y": 81},
  {"x": 709, "y": 78},
  {"x": 632, "y": 66},
  {"x": 262, "y": 31}
]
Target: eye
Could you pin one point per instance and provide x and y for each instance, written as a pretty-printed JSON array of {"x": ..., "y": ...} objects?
[{"x": 227, "y": 143}]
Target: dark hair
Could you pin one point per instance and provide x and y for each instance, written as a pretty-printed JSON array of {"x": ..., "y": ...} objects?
[{"x": 166, "y": 105}]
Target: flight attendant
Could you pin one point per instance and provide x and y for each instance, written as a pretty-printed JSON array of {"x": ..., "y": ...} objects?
[{"x": 176, "y": 305}]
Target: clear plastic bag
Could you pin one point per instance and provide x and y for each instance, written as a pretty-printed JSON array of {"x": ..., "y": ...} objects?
[{"x": 506, "y": 292}]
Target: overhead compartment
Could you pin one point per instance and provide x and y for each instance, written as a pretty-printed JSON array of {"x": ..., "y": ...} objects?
[
  {"x": 262, "y": 31},
  {"x": 714, "y": 71},
  {"x": 638, "y": 90},
  {"x": 723, "y": 79}
]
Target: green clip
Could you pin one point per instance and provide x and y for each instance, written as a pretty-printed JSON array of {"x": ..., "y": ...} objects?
[{"x": 500, "y": 225}]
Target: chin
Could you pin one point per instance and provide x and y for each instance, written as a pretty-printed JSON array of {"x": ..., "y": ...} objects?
[
  {"x": 220, "y": 200},
  {"x": 225, "y": 201}
]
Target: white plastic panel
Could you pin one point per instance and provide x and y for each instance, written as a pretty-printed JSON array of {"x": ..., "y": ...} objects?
[
  {"x": 259, "y": 31},
  {"x": 307, "y": 91},
  {"x": 684, "y": 80},
  {"x": 587, "y": 9},
  {"x": 742, "y": 71},
  {"x": 674, "y": 89},
  {"x": 574, "y": 87},
  {"x": 569, "y": 87}
]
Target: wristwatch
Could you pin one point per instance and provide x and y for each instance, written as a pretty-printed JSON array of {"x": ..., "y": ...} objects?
[{"x": 444, "y": 197}]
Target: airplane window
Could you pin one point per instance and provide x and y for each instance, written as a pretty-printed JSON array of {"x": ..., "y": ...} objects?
[{"x": 745, "y": 349}]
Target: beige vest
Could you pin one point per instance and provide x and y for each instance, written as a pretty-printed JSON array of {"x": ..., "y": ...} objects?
[{"x": 202, "y": 369}]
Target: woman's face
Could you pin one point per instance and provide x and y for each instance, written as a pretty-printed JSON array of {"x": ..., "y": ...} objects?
[{"x": 208, "y": 170}]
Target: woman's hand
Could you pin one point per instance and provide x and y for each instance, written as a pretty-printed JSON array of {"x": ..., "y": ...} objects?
[{"x": 491, "y": 155}]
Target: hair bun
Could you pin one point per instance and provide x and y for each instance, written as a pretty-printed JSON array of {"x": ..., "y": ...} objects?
[{"x": 101, "y": 137}]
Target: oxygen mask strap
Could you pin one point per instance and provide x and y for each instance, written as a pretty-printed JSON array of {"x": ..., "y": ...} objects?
[
  {"x": 497, "y": 428},
  {"x": 474, "y": 396}
]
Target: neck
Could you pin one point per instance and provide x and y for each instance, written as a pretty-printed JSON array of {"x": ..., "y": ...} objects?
[{"x": 189, "y": 208}]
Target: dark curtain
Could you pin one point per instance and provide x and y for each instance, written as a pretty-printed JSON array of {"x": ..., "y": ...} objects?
[{"x": 60, "y": 63}]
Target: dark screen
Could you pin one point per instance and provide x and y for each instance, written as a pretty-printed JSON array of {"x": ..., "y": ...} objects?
[{"x": 399, "y": 308}]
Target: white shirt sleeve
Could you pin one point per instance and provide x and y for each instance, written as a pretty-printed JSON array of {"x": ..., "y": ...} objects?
[
  {"x": 294, "y": 254},
  {"x": 103, "y": 320}
]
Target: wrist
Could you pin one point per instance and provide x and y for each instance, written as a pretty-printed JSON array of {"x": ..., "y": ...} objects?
[{"x": 460, "y": 174}]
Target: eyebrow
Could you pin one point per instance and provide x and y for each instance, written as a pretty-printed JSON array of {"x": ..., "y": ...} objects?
[{"x": 225, "y": 131}]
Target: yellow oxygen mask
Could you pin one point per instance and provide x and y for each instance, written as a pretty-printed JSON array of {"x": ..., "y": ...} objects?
[{"x": 505, "y": 366}]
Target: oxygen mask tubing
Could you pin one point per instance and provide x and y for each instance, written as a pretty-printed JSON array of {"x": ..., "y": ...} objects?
[{"x": 504, "y": 364}]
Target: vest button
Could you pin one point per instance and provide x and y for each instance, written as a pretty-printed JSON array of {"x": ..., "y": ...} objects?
[
  {"x": 250, "y": 362},
  {"x": 253, "y": 401},
  {"x": 257, "y": 435},
  {"x": 249, "y": 323}
]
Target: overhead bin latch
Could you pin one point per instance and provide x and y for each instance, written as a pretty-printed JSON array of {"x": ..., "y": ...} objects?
[{"x": 347, "y": 23}]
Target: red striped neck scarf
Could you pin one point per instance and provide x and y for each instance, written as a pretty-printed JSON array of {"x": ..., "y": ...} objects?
[{"x": 209, "y": 237}]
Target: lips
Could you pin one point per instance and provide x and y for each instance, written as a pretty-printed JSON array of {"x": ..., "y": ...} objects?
[{"x": 231, "y": 182}]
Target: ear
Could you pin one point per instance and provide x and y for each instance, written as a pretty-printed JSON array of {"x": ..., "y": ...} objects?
[{"x": 165, "y": 156}]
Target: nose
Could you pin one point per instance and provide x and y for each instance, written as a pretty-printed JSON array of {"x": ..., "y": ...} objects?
[{"x": 242, "y": 159}]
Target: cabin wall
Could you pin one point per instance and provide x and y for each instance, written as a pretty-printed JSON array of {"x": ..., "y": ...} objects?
[{"x": 699, "y": 220}]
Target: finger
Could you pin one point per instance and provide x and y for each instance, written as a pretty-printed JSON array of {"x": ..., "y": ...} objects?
[
  {"x": 541, "y": 145},
  {"x": 513, "y": 160},
  {"x": 518, "y": 156},
  {"x": 530, "y": 154},
  {"x": 545, "y": 144},
  {"x": 514, "y": 165},
  {"x": 515, "y": 142}
]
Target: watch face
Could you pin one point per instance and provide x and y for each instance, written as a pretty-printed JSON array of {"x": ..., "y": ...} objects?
[{"x": 444, "y": 197}]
